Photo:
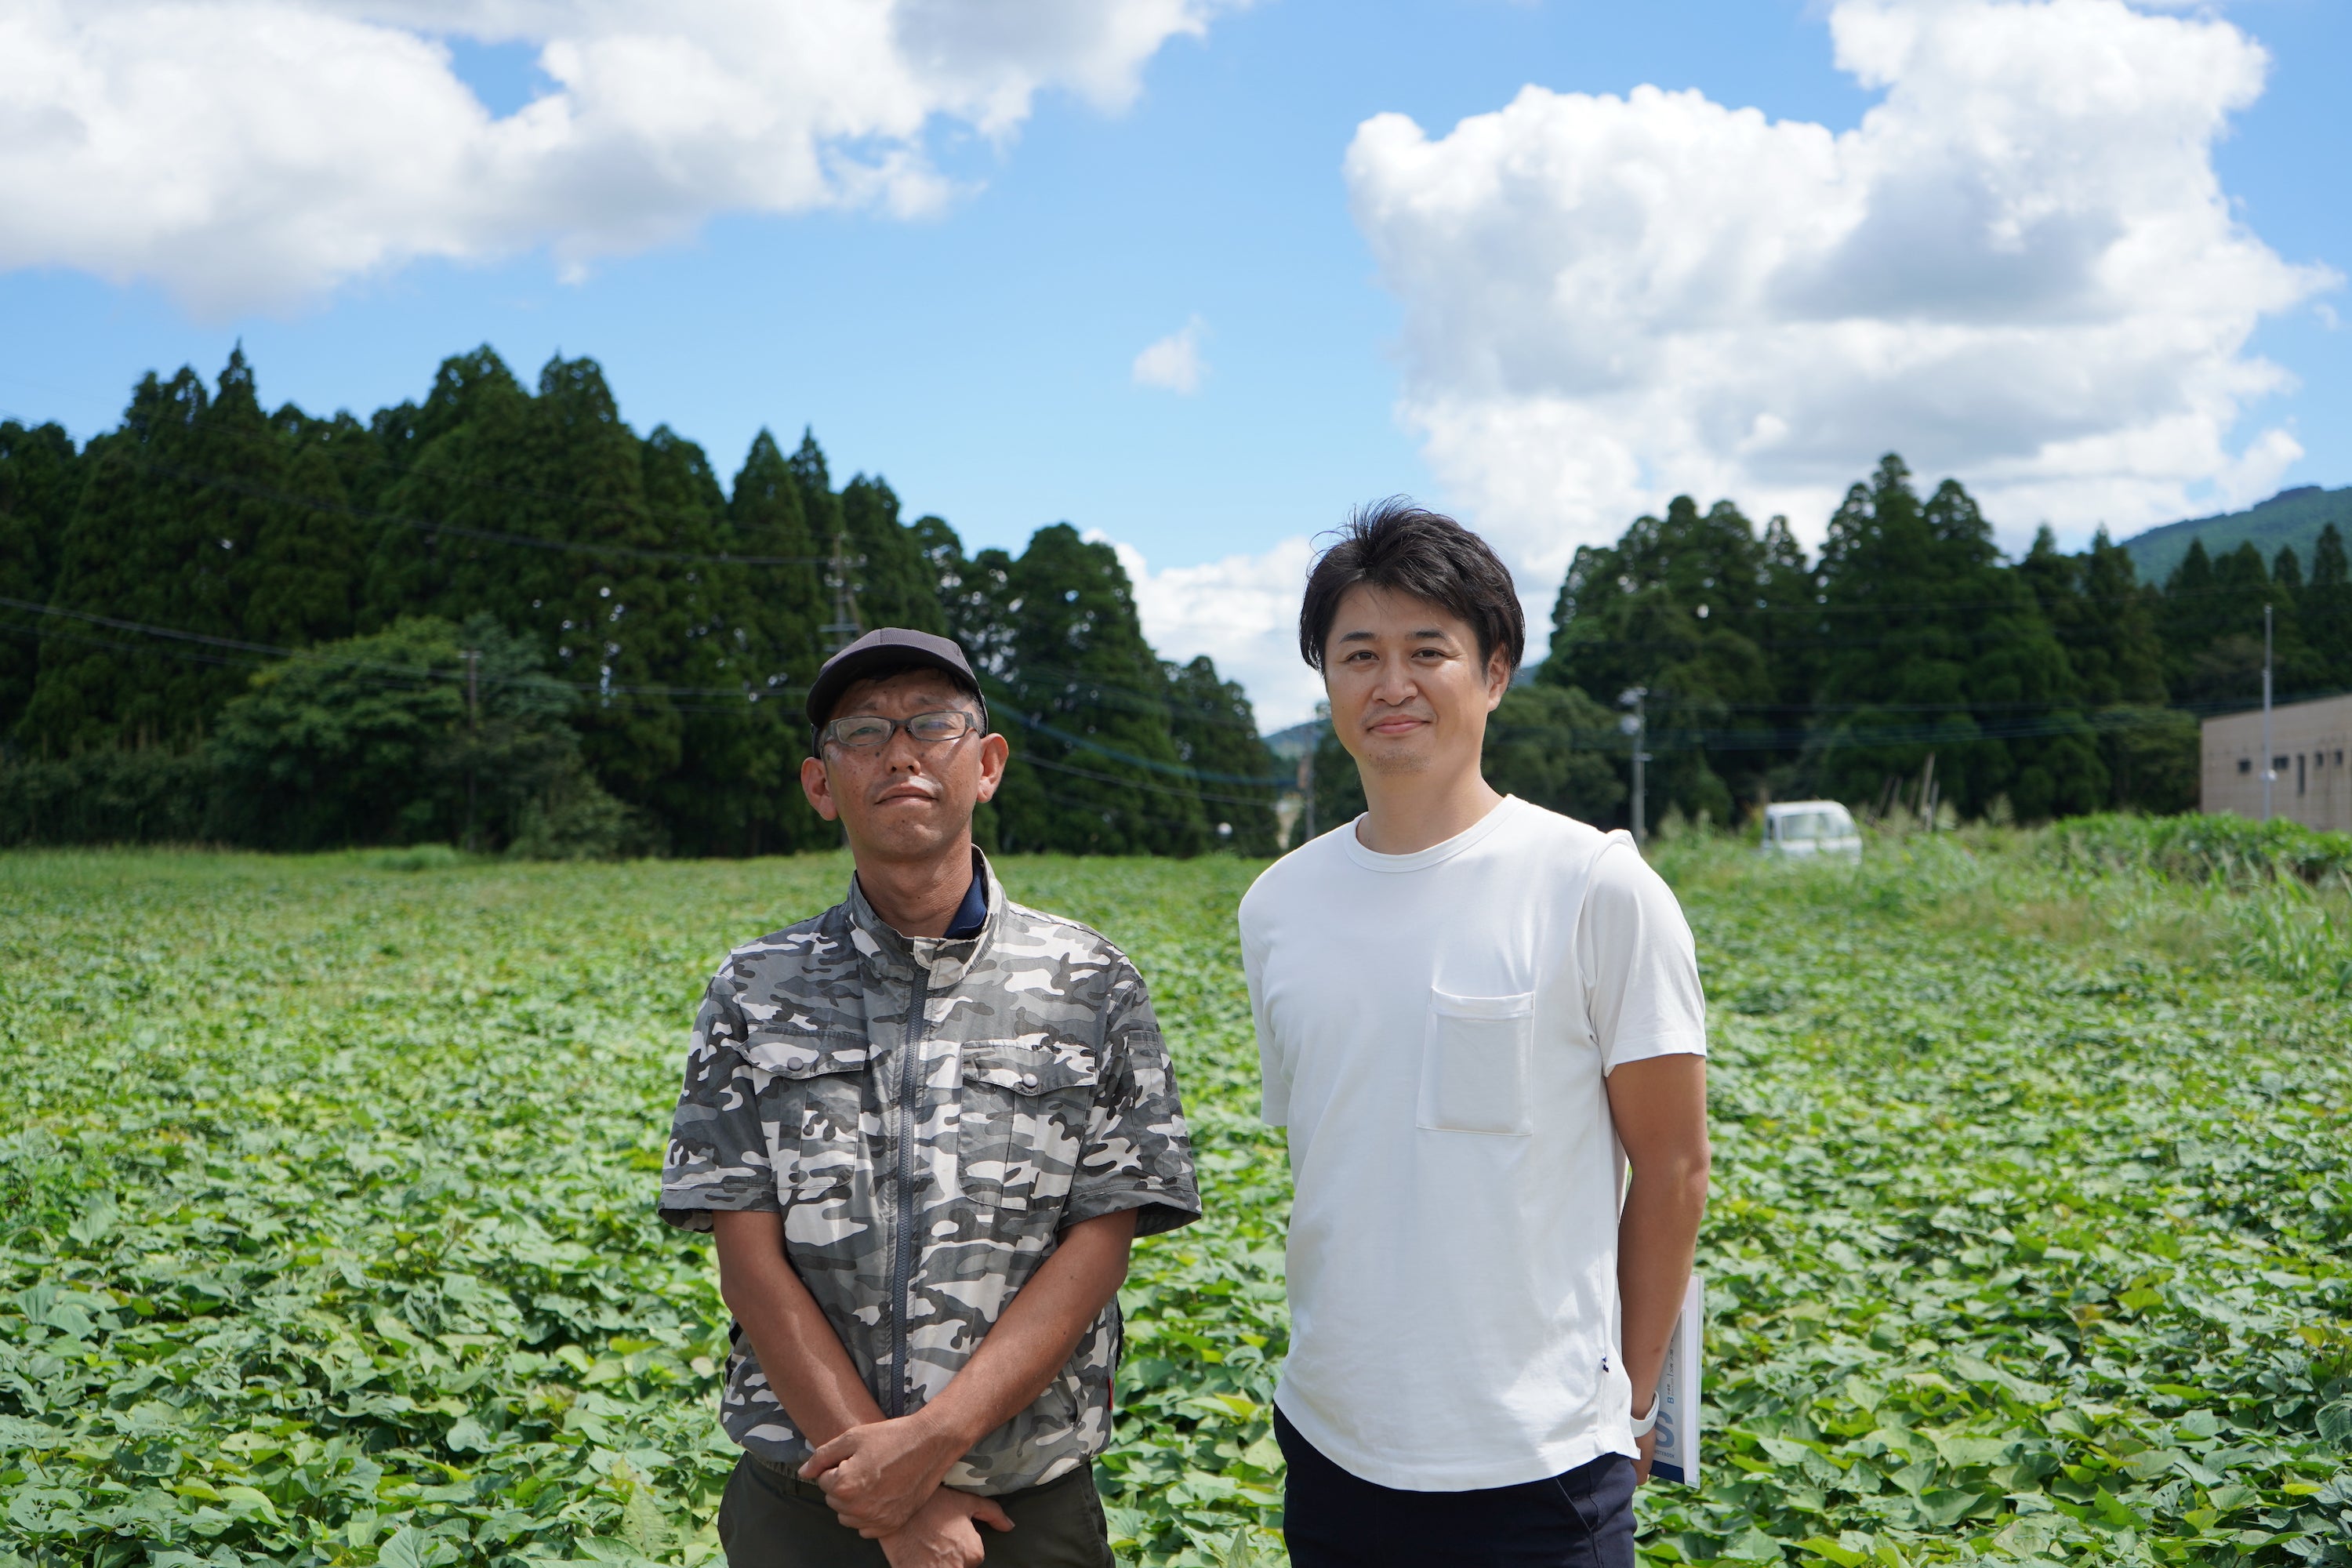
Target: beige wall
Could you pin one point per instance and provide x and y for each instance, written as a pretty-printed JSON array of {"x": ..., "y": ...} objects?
[{"x": 2311, "y": 749}]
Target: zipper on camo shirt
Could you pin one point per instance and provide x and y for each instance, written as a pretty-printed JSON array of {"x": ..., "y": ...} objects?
[{"x": 902, "y": 1261}]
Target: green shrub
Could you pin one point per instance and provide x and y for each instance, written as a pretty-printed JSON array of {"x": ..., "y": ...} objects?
[
  {"x": 414, "y": 857},
  {"x": 2197, "y": 849},
  {"x": 110, "y": 796},
  {"x": 369, "y": 740},
  {"x": 373, "y": 741},
  {"x": 575, "y": 818}
]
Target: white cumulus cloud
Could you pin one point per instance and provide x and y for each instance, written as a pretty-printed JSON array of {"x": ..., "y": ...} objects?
[
  {"x": 1174, "y": 362},
  {"x": 253, "y": 153},
  {"x": 1243, "y": 612},
  {"x": 2021, "y": 268}
]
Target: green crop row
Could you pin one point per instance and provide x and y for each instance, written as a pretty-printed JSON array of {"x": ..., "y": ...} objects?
[
  {"x": 325, "y": 1228},
  {"x": 2034, "y": 1198}
]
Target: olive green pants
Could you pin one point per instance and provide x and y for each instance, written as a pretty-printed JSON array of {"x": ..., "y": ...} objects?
[{"x": 771, "y": 1519}]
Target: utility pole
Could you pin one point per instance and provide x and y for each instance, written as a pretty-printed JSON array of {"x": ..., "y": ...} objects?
[
  {"x": 1637, "y": 724},
  {"x": 474, "y": 730},
  {"x": 1306, "y": 788},
  {"x": 843, "y": 630},
  {"x": 2269, "y": 773}
]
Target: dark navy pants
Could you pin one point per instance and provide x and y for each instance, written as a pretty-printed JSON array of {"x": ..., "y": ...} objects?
[{"x": 1331, "y": 1519}]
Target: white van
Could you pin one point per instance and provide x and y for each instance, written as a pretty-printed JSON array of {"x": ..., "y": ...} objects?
[{"x": 1810, "y": 827}]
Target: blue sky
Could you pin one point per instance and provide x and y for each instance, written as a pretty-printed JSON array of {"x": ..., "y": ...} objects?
[{"x": 1348, "y": 310}]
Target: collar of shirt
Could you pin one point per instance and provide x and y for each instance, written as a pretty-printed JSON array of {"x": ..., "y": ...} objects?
[
  {"x": 947, "y": 959},
  {"x": 972, "y": 913}
]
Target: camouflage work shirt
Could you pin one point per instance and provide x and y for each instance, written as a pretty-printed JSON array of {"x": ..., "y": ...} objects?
[{"x": 929, "y": 1115}]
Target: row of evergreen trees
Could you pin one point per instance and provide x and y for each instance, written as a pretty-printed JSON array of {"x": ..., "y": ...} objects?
[
  {"x": 504, "y": 616},
  {"x": 514, "y": 619},
  {"x": 2053, "y": 685}
]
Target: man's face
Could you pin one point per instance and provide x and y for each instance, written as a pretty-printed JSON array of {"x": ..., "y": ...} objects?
[
  {"x": 905, "y": 800},
  {"x": 1408, "y": 692}
]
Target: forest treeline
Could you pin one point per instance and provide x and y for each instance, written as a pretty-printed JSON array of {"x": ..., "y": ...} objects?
[
  {"x": 502, "y": 618},
  {"x": 2051, "y": 686}
]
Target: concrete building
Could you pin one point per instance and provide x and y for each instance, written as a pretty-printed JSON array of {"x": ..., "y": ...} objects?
[{"x": 2310, "y": 742}]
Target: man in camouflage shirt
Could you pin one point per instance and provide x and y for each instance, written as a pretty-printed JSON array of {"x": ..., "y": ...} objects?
[{"x": 924, "y": 1126}]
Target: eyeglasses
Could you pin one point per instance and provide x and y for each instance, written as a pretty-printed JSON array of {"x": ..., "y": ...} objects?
[{"x": 871, "y": 731}]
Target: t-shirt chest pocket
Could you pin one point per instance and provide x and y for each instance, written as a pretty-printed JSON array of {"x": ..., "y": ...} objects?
[
  {"x": 1477, "y": 1062},
  {"x": 1020, "y": 1122},
  {"x": 816, "y": 1104}
]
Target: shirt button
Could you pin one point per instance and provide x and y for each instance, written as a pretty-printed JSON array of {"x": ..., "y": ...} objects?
[{"x": 1028, "y": 1081}]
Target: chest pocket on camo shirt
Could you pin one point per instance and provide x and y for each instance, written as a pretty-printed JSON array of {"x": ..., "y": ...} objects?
[
  {"x": 1022, "y": 1123},
  {"x": 1476, "y": 1064},
  {"x": 818, "y": 1102}
]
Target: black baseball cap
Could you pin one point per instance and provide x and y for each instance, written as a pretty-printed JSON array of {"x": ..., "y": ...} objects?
[{"x": 888, "y": 650}]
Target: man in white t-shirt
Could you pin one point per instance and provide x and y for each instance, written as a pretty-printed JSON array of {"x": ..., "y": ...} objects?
[{"x": 1465, "y": 1006}]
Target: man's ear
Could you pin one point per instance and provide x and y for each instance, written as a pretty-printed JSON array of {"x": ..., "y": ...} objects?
[
  {"x": 995, "y": 752},
  {"x": 819, "y": 789},
  {"x": 1498, "y": 678}
]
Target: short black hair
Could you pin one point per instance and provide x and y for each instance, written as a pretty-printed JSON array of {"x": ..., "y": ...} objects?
[{"x": 1407, "y": 548}]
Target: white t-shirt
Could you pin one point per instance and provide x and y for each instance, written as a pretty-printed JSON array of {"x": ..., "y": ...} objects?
[{"x": 1435, "y": 1029}]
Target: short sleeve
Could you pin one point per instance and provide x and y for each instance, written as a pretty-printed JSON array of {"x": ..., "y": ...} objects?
[
  {"x": 1639, "y": 963},
  {"x": 718, "y": 1149},
  {"x": 1137, "y": 1152},
  {"x": 1273, "y": 1083}
]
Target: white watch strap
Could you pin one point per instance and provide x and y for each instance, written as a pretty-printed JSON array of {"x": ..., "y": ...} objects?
[{"x": 1643, "y": 1423}]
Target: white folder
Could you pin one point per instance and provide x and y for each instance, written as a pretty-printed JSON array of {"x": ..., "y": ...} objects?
[{"x": 1676, "y": 1458}]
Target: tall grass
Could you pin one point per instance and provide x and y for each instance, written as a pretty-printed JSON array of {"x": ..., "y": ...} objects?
[
  {"x": 2269, "y": 901},
  {"x": 2230, "y": 849}
]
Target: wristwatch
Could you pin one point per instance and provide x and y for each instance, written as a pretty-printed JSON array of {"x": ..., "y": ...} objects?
[{"x": 1643, "y": 1423}]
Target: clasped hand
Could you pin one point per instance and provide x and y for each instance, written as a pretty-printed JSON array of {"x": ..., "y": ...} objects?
[
  {"x": 943, "y": 1533},
  {"x": 882, "y": 1481}
]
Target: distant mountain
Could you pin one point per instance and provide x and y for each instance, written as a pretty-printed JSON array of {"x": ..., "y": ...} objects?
[
  {"x": 1295, "y": 742},
  {"x": 2291, "y": 517}
]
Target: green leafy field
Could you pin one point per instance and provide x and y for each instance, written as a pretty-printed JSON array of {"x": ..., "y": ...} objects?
[{"x": 325, "y": 1228}]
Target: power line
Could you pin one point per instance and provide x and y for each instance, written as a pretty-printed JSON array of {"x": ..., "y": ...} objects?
[
  {"x": 273, "y": 651},
  {"x": 379, "y": 458},
  {"x": 1137, "y": 701},
  {"x": 381, "y": 676},
  {"x": 1668, "y": 700},
  {"x": 1172, "y": 769},
  {"x": 42, "y": 634},
  {"x": 406, "y": 676},
  {"x": 234, "y": 652},
  {"x": 2062, "y": 721},
  {"x": 1035, "y": 762},
  {"x": 270, "y": 649},
  {"x": 1094, "y": 807},
  {"x": 847, "y": 620},
  {"x": 1117, "y": 696},
  {"x": 2150, "y": 593}
]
